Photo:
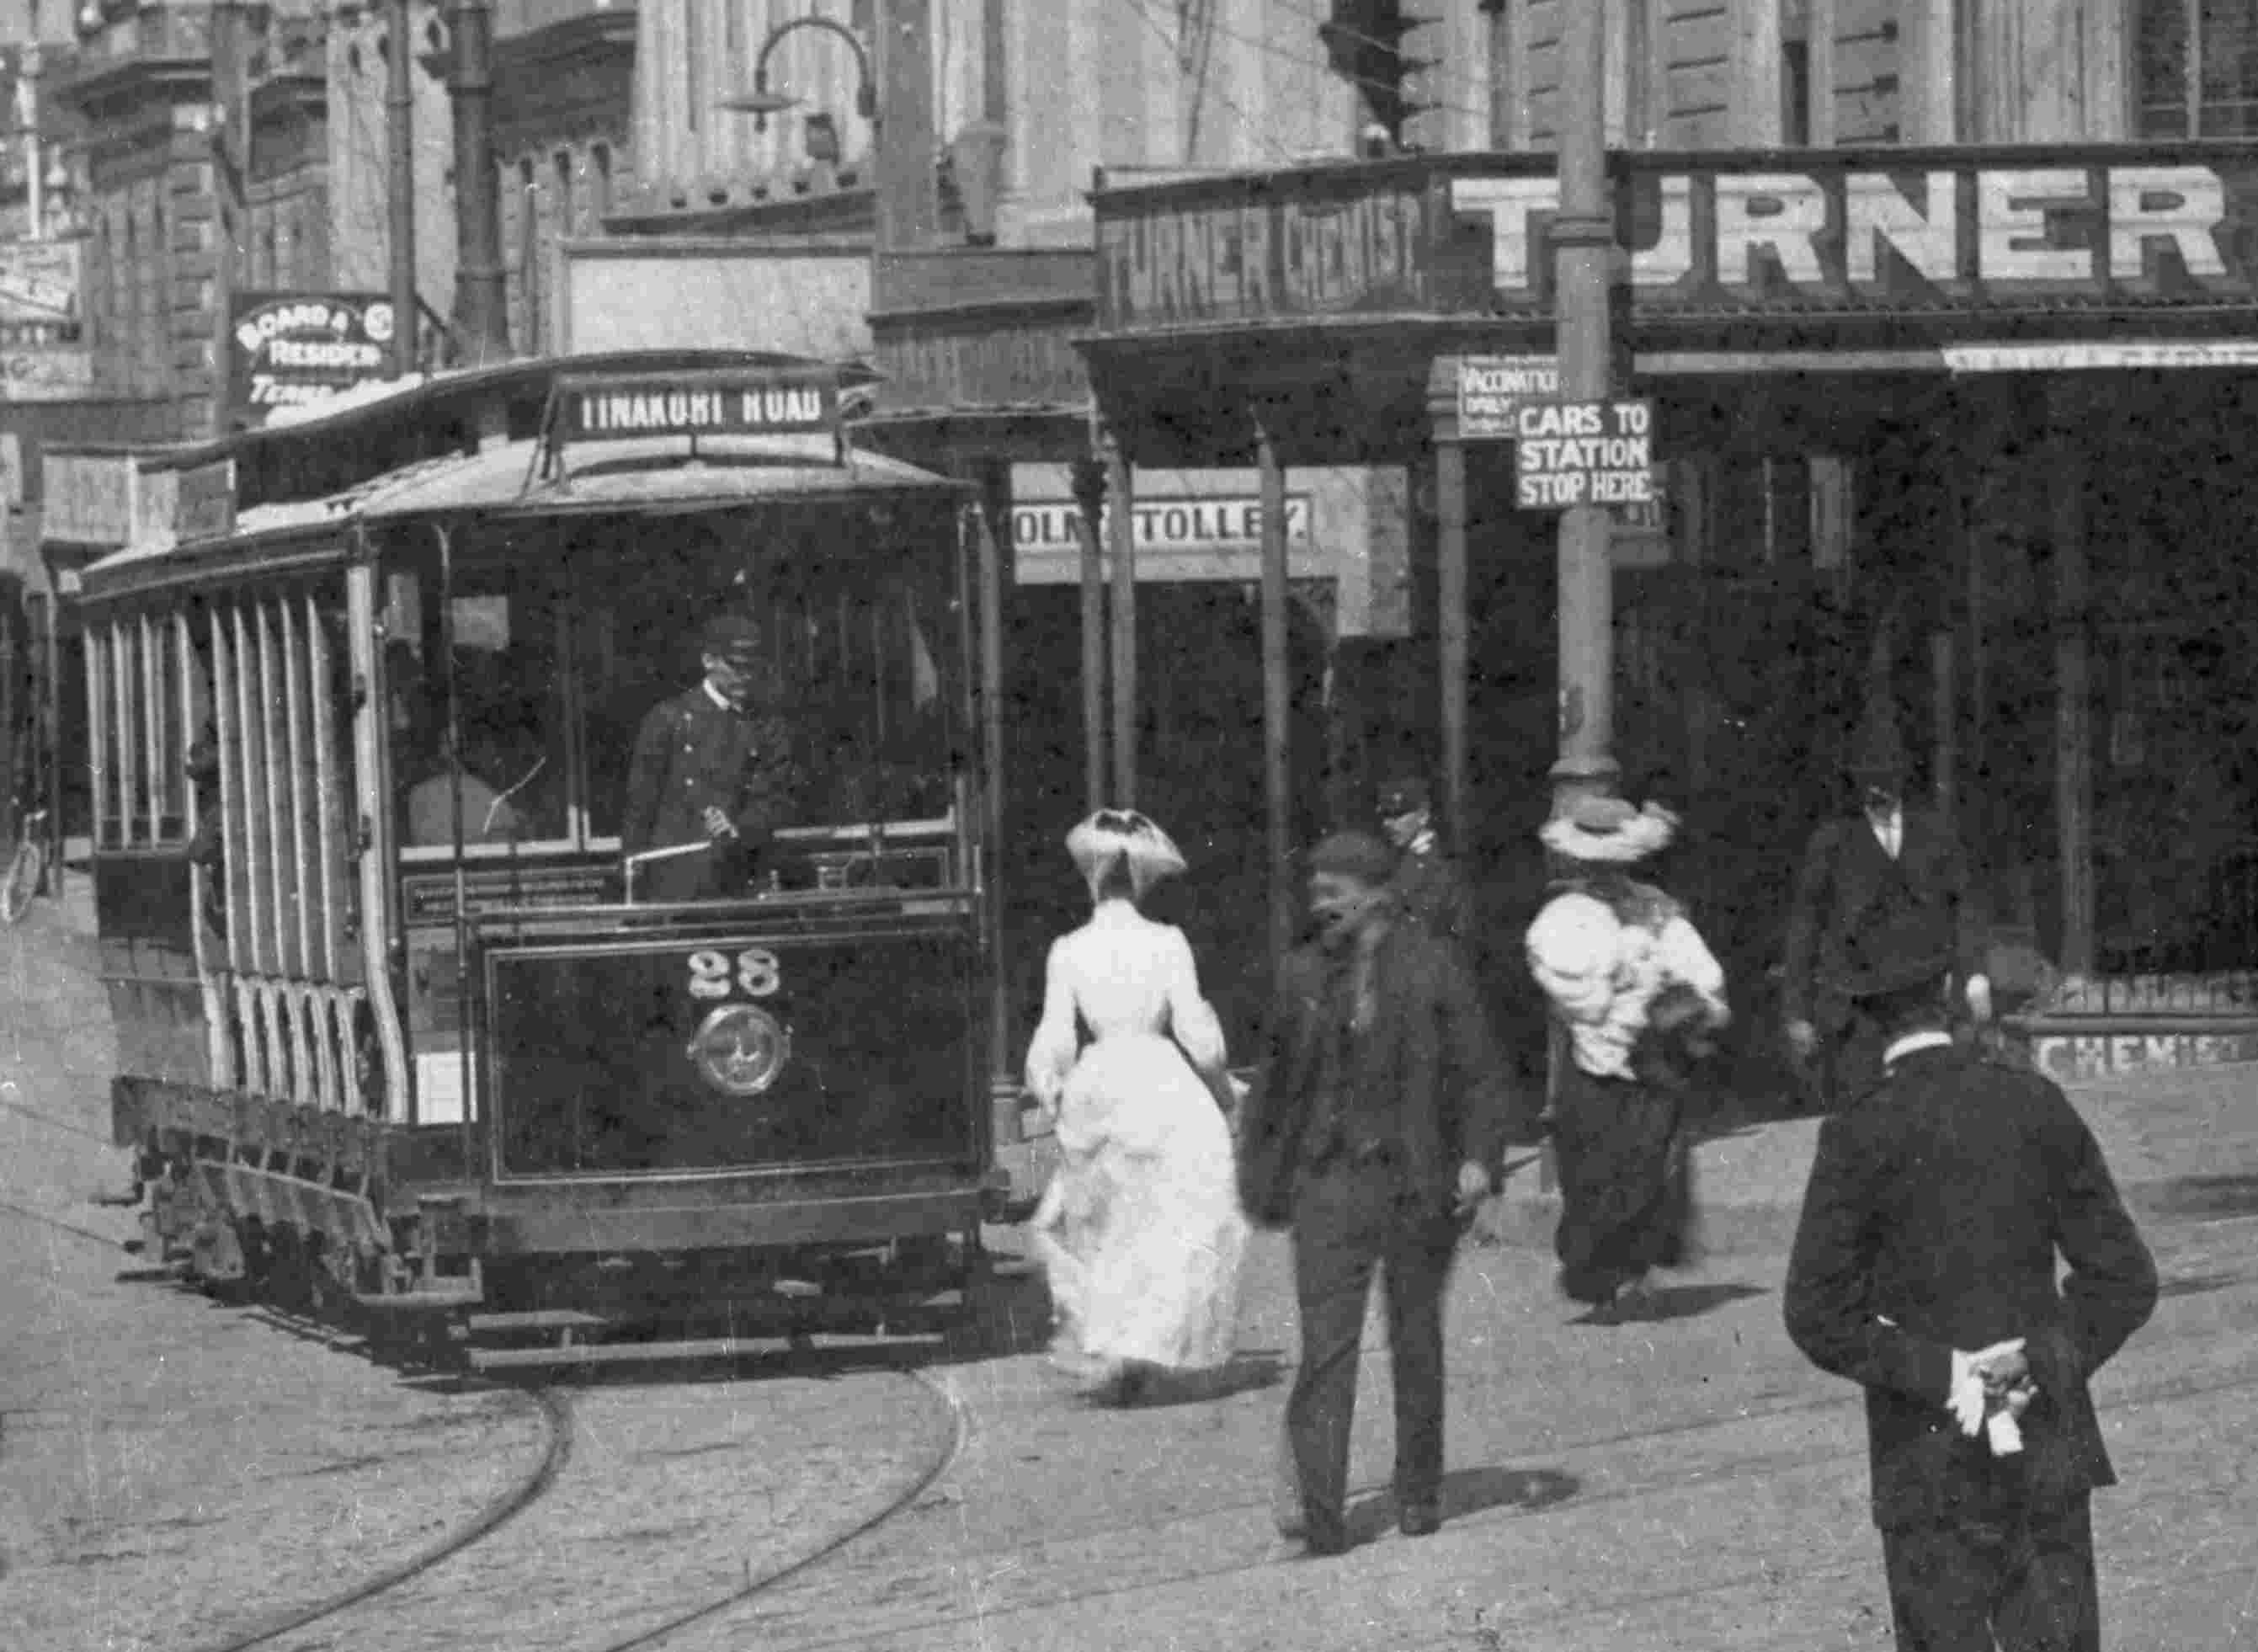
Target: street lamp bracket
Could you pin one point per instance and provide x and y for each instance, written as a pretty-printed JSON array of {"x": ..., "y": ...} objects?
[{"x": 761, "y": 103}]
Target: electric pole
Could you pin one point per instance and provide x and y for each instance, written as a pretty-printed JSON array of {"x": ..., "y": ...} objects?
[
  {"x": 400, "y": 107},
  {"x": 230, "y": 150},
  {"x": 481, "y": 298},
  {"x": 1584, "y": 258}
]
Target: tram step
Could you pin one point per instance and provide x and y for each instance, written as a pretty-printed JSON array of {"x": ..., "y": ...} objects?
[
  {"x": 636, "y": 1353},
  {"x": 537, "y": 1319},
  {"x": 419, "y": 1301}
]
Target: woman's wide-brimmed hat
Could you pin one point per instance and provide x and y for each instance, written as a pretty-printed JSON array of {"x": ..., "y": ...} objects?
[
  {"x": 1125, "y": 835},
  {"x": 1608, "y": 831}
]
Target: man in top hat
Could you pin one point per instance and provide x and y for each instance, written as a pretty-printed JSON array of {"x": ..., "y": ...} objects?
[
  {"x": 1858, "y": 873},
  {"x": 1924, "y": 1269},
  {"x": 1374, "y": 1133},
  {"x": 708, "y": 770},
  {"x": 1428, "y": 888}
]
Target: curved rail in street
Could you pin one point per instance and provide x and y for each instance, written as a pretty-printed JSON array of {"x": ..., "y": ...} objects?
[
  {"x": 557, "y": 1417},
  {"x": 532, "y": 1487}
]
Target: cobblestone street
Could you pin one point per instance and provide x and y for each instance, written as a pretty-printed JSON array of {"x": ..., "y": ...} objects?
[{"x": 176, "y": 1475}]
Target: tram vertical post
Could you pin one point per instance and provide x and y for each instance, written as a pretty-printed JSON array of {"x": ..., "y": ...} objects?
[
  {"x": 400, "y": 111},
  {"x": 1584, "y": 255},
  {"x": 1277, "y": 698}
]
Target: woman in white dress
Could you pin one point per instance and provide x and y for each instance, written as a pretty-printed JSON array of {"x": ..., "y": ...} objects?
[{"x": 1140, "y": 1231}]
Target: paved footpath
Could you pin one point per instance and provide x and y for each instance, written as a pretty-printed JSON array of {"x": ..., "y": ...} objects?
[{"x": 1683, "y": 1484}]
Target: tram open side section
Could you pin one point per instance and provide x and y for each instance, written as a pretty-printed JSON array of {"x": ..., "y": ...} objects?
[{"x": 386, "y": 1006}]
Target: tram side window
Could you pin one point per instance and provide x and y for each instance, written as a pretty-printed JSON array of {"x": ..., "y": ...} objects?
[{"x": 507, "y": 693}]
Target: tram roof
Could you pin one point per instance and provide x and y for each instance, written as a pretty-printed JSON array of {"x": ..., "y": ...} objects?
[{"x": 660, "y": 475}]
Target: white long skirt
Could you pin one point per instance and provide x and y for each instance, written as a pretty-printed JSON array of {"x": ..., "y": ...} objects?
[{"x": 1140, "y": 1232}]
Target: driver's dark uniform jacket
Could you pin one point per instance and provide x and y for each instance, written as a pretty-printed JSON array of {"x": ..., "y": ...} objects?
[{"x": 692, "y": 754}]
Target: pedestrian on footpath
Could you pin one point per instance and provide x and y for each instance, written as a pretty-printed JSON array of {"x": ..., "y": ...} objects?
[
  {"x": 1857, "y": 872},
  {"x": 1924, "y": 1269},
  {"x": 1374, "y": 1133},
  {"x": 1428, "y": 886},
  {"x": 1640, "y": 995},
  {"x": 1139, "y": 1233}
]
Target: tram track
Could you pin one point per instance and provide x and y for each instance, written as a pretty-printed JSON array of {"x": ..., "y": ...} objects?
[{"x": 512, "y": 1506}]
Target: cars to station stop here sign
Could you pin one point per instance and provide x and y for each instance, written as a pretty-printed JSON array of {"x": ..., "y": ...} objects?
[{"x": 1583, "y": 454}]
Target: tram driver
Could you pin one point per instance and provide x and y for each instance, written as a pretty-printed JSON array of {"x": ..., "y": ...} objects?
[{"x": 712, "y": 774}]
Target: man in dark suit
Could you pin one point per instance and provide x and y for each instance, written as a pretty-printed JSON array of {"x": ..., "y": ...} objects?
[
  {"x": 1924, "y": 1269},
  {"x": 1856, "y": 873},
  {"x": 1429, "y": 888},
  {"x": 708, "y": 770},
  {"x": 1374, "y": 1133}
]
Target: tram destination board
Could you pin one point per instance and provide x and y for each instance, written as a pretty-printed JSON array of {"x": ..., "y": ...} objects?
[
  {"x": 735, "y": 404},
  {"x": 1583, "y": 454}
]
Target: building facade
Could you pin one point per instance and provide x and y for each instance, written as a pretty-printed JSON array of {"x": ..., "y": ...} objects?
[{"x": 1939, "y": 308}]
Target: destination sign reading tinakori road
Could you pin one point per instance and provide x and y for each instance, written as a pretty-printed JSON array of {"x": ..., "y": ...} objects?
[
  {"x": 1584, "y": 453},
  {"x": 616, "y": 409}
]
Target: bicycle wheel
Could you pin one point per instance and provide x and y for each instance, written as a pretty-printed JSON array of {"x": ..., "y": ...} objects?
[{"x": 23, "y": 880}]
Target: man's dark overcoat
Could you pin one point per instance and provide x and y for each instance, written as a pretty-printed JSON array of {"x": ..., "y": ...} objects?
[
  {"x": 1848, "y": 886},
  {"x": 1430, "y": 890},
  {"x": 1431, "y": 1047},
  {"x": 1938, "y": 1204}
]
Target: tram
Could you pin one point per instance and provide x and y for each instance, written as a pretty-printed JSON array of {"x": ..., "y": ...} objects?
[{"x": 402, "y": 1023}]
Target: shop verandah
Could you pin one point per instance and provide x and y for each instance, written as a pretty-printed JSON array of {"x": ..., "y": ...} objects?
[{"x": 1998, "y": 499}]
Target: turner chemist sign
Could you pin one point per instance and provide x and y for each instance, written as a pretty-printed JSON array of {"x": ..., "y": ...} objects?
[
  {"x": 1887, "y": 233},
  {"x": 290, "y": 349}
]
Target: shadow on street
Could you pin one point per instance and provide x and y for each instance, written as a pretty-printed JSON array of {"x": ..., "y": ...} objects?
[{"x": 1469, "y": 1492}]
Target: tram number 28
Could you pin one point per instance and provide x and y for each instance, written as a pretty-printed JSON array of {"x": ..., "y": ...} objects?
[{"x": 753, "y": 971}]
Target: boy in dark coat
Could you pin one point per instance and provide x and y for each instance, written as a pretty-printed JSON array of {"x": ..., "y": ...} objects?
[
  {"x": 1924, "y": 1269},
  {"x": 1374, "y": 1133}
]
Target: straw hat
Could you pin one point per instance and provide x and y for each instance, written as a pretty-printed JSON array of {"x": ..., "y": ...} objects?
[{"x": 1608, "y": 831}]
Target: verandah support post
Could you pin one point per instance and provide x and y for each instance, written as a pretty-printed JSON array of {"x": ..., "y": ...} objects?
[
  {"x": 1121, "y": 545},
  {"x": 2073, "y": 766},
  {"x": 1277, "y": 699},
  {"x": 1090, "y": 510},
  {"x": 1450, "y": 629},
  {"x": 996, "y": 580}
]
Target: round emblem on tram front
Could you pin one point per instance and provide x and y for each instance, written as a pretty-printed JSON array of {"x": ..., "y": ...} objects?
[{"x": 740, "y": 1049}]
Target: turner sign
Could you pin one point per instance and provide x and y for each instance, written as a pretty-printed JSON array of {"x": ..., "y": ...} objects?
[
  {"x": 1725, "y": 240},
  {"x": 2065, "y": 229}
]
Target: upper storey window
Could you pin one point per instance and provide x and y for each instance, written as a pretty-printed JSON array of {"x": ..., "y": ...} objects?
[{"x": 2198, "y": 69}]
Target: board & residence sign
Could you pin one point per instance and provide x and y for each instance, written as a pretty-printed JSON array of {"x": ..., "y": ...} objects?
[
  {"x": 1709, "y": 239},
  {"x": 300, "y": 349}
]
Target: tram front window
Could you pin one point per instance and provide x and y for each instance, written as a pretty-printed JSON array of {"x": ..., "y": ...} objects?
[
  {"x": 811, "y": 693},
  {"x": 776, "y": 689}
]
